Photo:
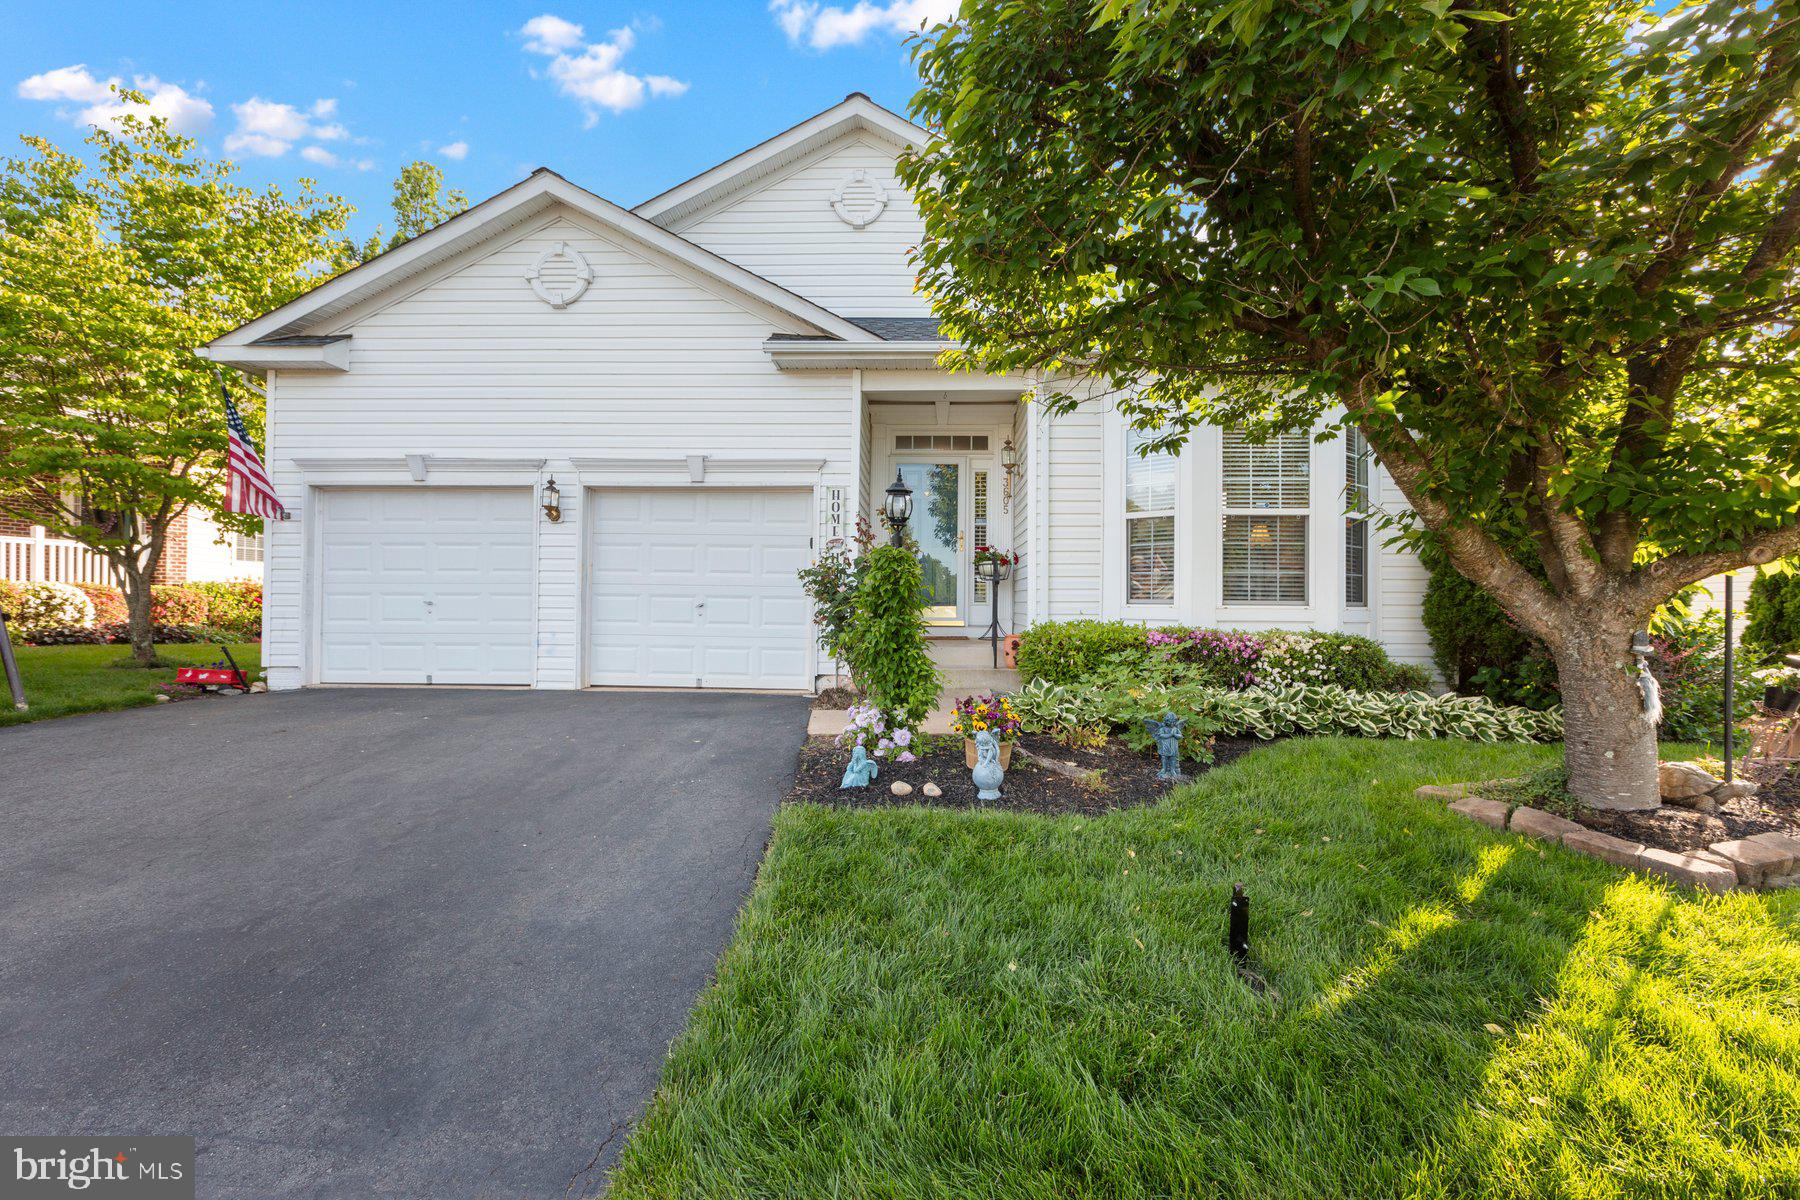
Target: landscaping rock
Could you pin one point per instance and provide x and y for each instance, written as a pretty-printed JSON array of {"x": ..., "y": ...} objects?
[
  {"x": 1678, "y": 781},
  {"x": 1760, "y": 859},
  {"x": 1604, "y": 846},
  {"x": 1689, "y": 869},
  {"x": 1535, "y": 823},
  {"x": 159, "y": 699},
  {"x": 900, "y": 788},
  {"x": 259, "y": 687},
  {"x": 932, "y": 790},
  {"x": 1492, "y": 813}
]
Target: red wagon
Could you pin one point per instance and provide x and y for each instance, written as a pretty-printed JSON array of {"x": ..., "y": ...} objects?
[{"x": 219, "y": 675}]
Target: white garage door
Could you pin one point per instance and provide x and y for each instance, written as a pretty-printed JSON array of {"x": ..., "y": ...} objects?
[
  {"x": 426, "y": 585},
  {"x": 697, "y": 588}
]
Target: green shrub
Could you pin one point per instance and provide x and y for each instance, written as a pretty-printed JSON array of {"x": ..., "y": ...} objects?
[
  {"x": 1345, "y": 660},
  {"x": 177, "y": 604},
  {"x": 885, "y": 643},
  {"x": 1274, "y": 712},
  {"x": 1772, "y": 613},
  {"x": 234, "y": 608},
  {"x": 1477, "y": 647},
  {"x": 1688, "y": 661},
  {"x": 831, "y": 584},
  {"x": 1069, "y": 651}
]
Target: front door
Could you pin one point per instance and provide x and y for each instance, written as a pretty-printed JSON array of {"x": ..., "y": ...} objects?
[{"x": 939, "y": 505}]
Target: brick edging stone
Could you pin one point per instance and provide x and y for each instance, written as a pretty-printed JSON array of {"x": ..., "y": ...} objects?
[{"x": 1760, "y": 862}]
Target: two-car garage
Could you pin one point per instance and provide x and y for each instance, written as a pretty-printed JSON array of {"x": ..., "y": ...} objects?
[{"x": 687, "y": 587}]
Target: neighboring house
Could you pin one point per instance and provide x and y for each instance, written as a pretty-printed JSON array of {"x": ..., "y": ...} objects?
[
  {"x": 197, "y": 551},
  {"x": 719, "y": 381}
]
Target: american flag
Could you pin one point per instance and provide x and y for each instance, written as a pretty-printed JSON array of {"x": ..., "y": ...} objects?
[{"x": 247, "y": 487}]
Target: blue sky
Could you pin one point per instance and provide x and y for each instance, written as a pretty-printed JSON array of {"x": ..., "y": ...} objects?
[{"x": 624, "y": 99}]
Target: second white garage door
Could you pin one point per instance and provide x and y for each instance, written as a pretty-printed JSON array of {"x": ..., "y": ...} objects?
[{"x": 697, "y": 588}]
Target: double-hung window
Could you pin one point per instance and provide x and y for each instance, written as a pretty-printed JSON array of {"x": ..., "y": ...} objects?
[
  {"x": 1149, "y": 522},
  {"x": 1267, "y": 502},
  {"x": 1356, "y": 522}
]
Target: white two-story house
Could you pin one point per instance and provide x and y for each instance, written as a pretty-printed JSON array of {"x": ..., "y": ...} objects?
[{"x": 710, "y": 387}]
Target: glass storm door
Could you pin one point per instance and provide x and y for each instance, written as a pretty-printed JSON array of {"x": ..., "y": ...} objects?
[{"x": 937, "y": 526}]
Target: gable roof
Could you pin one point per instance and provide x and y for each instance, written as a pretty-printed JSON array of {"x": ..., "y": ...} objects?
[
  {"x": 539, "y": 193},
  {"x": 856, "y": 113}
]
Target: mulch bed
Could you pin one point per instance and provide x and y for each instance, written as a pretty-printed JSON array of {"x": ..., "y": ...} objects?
[
  {"x": 1774, "y": 809},
  {"x": 1114, "y": 776}
]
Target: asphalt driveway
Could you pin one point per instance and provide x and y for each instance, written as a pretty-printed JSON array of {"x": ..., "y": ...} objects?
[{"x": 373, "y": 942}]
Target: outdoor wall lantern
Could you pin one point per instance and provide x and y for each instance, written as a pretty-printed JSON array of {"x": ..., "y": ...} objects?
[
  {"x": 552, "y": 502},
  {"x": 899, "y": 508},
  {"x": 1009, "y": 463}
]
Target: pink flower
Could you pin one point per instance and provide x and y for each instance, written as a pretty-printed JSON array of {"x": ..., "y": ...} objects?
[{"x": 906, "y": 756}]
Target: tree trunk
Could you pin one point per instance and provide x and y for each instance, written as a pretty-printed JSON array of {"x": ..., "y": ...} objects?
[
  {"x": 138, "y": 602},
  {"x": 1609, "y": 744}
]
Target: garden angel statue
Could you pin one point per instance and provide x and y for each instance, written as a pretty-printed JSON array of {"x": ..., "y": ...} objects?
[
  {"x": 861, "y": 770},
  {"x": 1167, "y": 733}
]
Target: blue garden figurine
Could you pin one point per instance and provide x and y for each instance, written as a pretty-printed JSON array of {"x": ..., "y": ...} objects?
[
  {"x": 861, "y": 770},
  {"x": 988, "y": 773},
  {"x": 1167, "y": 733}
]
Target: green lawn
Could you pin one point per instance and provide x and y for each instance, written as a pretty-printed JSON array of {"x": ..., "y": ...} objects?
[
  {"x": 929, "y": 1003},
  {"x": 60, "y": 680}
]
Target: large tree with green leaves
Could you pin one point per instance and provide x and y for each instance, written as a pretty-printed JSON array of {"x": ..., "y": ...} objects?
[
  {"x": 1543, "y": 254},
  {"x": 112, "y": 271},
  {"x": 420, "y": 202}
]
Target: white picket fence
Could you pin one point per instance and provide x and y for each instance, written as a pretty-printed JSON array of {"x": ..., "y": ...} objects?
[{"x": 40, "y": 557}]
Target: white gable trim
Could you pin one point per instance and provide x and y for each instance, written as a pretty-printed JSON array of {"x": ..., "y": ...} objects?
[
  {"x": 857, "y": 113},
  {"x": 493, "y": 217}
]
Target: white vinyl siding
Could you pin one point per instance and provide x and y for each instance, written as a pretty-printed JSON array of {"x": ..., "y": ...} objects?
[
  {"x": 1151, "y": 532},
  {"x": 1267, "y": 499},
  {"x": 1074, "y": 505},
  {"x": 785, "y": 231},
  {"x": 652, "y": 362}
]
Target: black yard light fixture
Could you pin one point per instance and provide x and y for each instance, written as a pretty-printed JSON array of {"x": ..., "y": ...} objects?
[
  {"x": 899, "y": 508},
  {"x": 552, "y": 502}
]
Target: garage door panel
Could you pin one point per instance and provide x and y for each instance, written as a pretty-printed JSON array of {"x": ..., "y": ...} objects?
[
  {"x": 738, "y": 551},
  {"x": 426, "y": 584}
]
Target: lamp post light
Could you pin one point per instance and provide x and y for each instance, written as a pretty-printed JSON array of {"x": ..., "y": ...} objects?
[
  {"x": 899, "y": 509},
  {"x": 552, "y": 502}
]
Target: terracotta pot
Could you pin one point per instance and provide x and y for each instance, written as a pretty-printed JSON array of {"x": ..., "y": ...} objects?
[
  {"x": 969, "y": 754},
  {"x": 1012, "y": 651}
]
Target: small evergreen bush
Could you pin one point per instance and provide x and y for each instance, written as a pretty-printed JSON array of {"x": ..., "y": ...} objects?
[
  {"x": 1772, "y": 613},
  {"x": 885, "y": 641},
  {"x": 1068, "y": 651}
]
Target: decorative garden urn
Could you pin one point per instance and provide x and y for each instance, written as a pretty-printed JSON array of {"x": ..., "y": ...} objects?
[{"x": 988, "y": 773}]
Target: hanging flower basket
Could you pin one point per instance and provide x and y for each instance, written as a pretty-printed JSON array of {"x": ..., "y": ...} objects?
[{"x": 995, "y": 564}]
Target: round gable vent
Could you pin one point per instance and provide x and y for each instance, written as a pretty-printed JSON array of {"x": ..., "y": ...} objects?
[
  {"x": 560, "y": 275},
  {"x": 858, "y": 200}
]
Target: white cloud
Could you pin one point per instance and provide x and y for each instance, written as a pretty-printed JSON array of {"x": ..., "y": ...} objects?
[
  {"x": 590, "y": 72},
  {"x": 550, "y": 34},
  {"x": 184, "y": 111},
  {"x": 269, "y": 129},
  {"x": 823, "y": 27},
  {"x": 455, "y": 151}
]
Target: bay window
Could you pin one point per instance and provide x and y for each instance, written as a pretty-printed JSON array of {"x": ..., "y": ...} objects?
[
  {"x": 1149, "y": 522},
  {"x": 1267, "y": 504}
]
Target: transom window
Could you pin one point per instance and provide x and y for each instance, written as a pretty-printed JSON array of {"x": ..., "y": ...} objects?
[
  {"x": 1267, "y": 503},
  {"x": 940, "y": 441},
  {"x": 1356, "y": 525},
  {"x": 1149, "y": 522}
]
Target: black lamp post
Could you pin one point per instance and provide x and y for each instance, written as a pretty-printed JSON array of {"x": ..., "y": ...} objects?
[{"x": 899, "y": 509}]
